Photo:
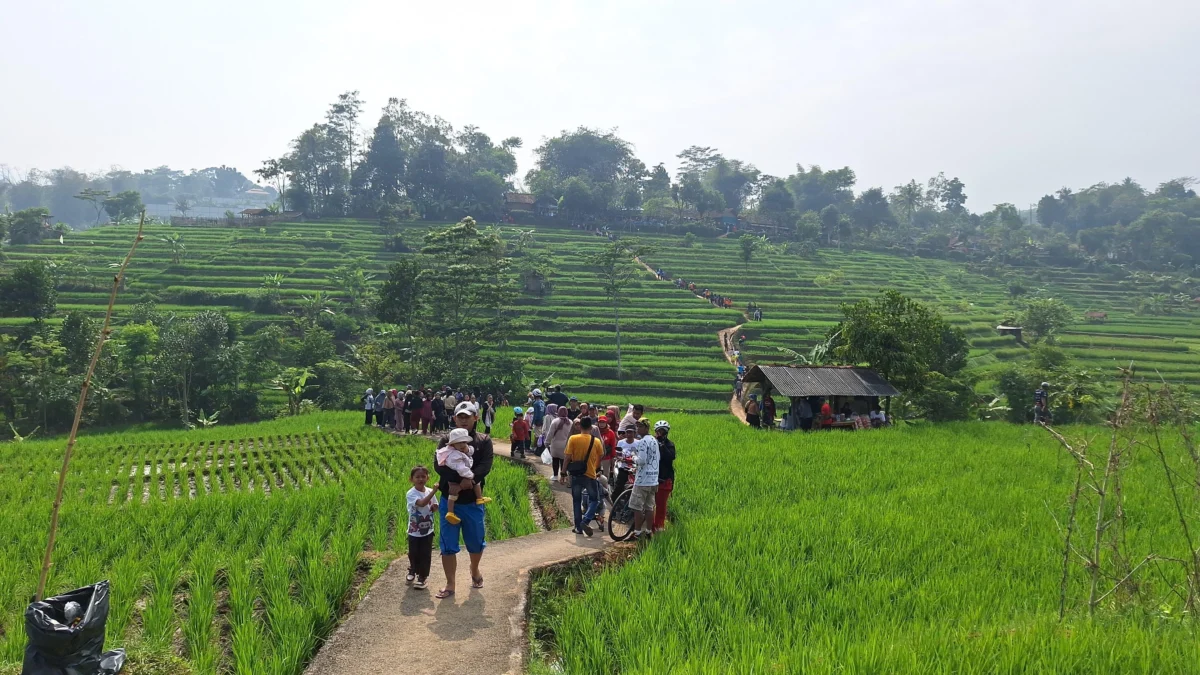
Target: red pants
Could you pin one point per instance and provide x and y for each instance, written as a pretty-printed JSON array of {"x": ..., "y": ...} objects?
[{"x": 660, "y": 503}]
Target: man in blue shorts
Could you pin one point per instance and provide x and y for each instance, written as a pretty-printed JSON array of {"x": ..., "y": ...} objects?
[{"x": 470, "y": 527}]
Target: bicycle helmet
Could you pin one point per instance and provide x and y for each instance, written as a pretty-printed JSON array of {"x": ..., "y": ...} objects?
[
  {"x": 517, "y": 410},
  {"x": 537, "y": 392},
  {"x": 661, "y": 424}
]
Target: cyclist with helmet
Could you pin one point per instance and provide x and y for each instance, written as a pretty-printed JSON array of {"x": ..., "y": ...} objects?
[{"x": 666, "y": 473}]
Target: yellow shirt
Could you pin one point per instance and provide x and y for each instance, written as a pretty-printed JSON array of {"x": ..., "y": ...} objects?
[{"x": 577, "y": 449}]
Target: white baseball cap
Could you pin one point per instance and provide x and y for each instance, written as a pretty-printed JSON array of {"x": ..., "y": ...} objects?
[{"x": 465, "y": 408}]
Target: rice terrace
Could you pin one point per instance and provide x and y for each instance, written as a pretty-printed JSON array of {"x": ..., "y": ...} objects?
[{"x": 569, "y": 391}]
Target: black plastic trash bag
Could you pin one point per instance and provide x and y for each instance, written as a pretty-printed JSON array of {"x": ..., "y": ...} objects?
[{"x": 61, "y": 647}]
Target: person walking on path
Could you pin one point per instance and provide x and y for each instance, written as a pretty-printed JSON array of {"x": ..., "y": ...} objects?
[
  {"x": 519, "y": 433},
  {"x": 645, "y": 483},
  {"x": 471, "y": 515},
  {"x": 380, "y": 398},
  {"x": 543, "y": 431},
  {"x": 438, "y": 405},
  {"x": 389, "y": 409},
  {"x": 368, "y": 401},
  {"x": 538, "y": 406},
  {"x": 583, "y": 459},
  {"x": 422, "y": 500},
  {"x": 556, "y": 439},
  {"x": 666, "y": 473}
]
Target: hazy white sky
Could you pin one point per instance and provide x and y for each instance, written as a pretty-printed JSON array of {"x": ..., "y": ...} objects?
[{"x": 1016, "y": 97}]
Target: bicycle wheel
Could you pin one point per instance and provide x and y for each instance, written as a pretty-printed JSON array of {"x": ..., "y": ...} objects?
[{"x": 620, "y": 518}]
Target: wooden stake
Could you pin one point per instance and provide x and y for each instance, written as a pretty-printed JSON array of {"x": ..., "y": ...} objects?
[{"x": 83, "y": 392}]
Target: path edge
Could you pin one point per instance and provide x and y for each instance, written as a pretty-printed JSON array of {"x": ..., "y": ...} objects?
[{"x": 519, "y": 617}]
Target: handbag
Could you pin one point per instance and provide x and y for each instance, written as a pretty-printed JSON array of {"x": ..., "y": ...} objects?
[{"x": 578, "y": 467}]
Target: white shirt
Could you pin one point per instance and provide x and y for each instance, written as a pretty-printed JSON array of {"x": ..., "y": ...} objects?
[
  {"x": 647, "y": 458},
  {"x": 420, "y": 518},
  {"x": 626, "y": 451}
]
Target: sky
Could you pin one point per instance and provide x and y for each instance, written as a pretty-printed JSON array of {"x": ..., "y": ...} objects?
[{"x": 1015, "y": 97}]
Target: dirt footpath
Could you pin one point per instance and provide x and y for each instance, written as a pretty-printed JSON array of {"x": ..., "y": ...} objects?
[{"x": 398, "y": 629}]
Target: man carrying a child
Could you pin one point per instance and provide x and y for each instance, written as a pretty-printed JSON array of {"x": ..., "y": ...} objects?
[{"x": 469, "y": 513}]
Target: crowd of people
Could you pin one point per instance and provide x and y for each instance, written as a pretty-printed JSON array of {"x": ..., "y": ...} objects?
[
  {"x": 591, "y": 449},
  {"x": 810, "y": 413},
  {"x": 421, "y": 410}
]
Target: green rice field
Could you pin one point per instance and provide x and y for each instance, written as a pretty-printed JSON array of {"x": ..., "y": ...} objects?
[
  {"x": 921, "y": 549},
  {"x": 236, "y": 549},
  {"x": 671, "y": 356}
]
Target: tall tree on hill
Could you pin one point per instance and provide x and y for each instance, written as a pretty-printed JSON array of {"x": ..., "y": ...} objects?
[
  {"x": 617, "y": 267},
  {"x": 274, "y": 171},
  {"x": 342, "y": 119},
  {"x": 29, "y": 290},
  {"x": 600, "y": 159},
  {"x": 904, "y": 340},
  {"x": 734, "y": 180},
  {"x": 814, "y": 188},
  {"x": 776, "y": 203},
  {"x": 95, "y": 198},
  {"x": 909, "y": 198},
  {"x": 29, "y": 226},
  {"x": 871, "y": 211},
  {"x": 124, "y": 205}
]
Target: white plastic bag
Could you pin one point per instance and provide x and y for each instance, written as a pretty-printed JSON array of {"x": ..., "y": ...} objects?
[{"x": 546, "y": 458}]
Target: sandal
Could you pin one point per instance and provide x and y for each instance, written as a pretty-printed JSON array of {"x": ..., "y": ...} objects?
[
  {"x": 444, "y": 593},
  {"x": 477, "y": 583}
]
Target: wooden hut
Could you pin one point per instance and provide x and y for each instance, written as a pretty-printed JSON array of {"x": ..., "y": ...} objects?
[{"x": 860, "y": 387}]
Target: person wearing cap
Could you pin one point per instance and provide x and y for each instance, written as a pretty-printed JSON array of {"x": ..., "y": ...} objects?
[
  {"x": 583, "y": 454},
  {"x": 470, "y": 514},
  {"x": 626, "y": 450},
  {"x": 572, "y": 408},
  {"x": 520, "y": 433},
  {"x": 557, "y": 397}
]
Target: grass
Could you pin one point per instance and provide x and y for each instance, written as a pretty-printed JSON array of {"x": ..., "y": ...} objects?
[
  {"x": 282, "y": 519},
  {"x": 915, "y": 550}
]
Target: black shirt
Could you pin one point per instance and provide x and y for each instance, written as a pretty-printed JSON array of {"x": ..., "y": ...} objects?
[
  {"x": 438, "y": 405},
  {"x": 558, "y": 398},
  {"x": 481, "y": 466},
  {"x": 666, "y": 459}
]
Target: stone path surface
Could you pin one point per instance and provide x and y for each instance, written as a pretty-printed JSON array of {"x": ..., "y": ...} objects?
[{"x": 398, "y": 629}]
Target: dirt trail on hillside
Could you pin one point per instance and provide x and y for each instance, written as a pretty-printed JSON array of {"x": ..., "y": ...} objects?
[{"x": 398, "y": 629}]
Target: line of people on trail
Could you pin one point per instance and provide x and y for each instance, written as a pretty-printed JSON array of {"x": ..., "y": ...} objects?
[
  {"x": 421, "y": 410},
  {"x": 577, "y": 439}
]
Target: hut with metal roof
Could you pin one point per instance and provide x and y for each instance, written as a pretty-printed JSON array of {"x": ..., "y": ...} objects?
[{"x": 860, "y": 389}]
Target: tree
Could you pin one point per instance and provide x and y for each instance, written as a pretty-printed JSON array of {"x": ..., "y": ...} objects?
[
  {"x": 749, "y": 244},
  {"x": 658, "y": 185},
  {"x": 697, "y": 160},
  {"x": 830, "y": 220},
  {"x": 616, "y": 266},
  {"x": 29, "y": 290},
  {"x": 776, "y": 202},
  {"x": 1051, "y": 211},
  {"x": 274, "y": 170},
  {"x": 175, "y": 245},
  {"x": 734, "y": 180},
  {"x": 602, "y": 161},
  {"x": 399, "y": 297},
  {"x": 904, "y": 340},
  {"x": 293, "y": 382},
  {"x": 183, "y": 204},
  {"x": 871, "y": 211},
  {"x": 953, "y": 198},
  {"x": 29, "y": 226},
  {"x": 124, "y": 205},
  {"x": 78, "y": 335},
  {"x": 95, "y": 198},
  {"x": 1043, "y": 317},
  {"x": 909, "y": 198},
  {"x": 353, "y": 280}
]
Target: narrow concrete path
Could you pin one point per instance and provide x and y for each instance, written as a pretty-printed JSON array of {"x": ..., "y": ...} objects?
[{"x": 398, "y": 629}]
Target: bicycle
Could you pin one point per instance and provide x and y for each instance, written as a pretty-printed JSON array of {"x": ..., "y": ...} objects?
[{"x": 620, "y": 517}]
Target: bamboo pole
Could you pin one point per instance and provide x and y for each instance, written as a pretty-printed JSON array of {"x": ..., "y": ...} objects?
[{"x": 83, "y": 392}]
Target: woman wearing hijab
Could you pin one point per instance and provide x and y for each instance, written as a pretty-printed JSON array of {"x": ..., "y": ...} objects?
[
  {"x": 398, "y": 411},
  {"x": 556, "y": 439},
  {"x": 426, "y": 411},
  {"x": 368, "y": 400},
  {"x": 544, "y": 430},
  {"x": 488, "y": 413},
  {"x": 389, "y": 410},
  {"x": 418, "y": 402},
  {"x": 379, "y": 400}
]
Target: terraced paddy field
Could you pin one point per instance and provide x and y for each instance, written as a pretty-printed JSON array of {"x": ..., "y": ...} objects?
[
  {"x": 920, "y": 549},
  {"x": 235, "y": 549},
  {"x": 671, "y": 356}
]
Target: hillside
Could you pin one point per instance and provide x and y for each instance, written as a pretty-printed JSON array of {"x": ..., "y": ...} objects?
[{"x": 670, "y": 351}]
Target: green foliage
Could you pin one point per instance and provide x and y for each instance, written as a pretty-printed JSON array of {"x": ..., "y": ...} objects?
[
  {"x": 1075, "y": 394},
  {"x": 28, "y": 290},
  {"x": 124, "y": 205},
  {"x": 904, "y": 340},
  {"x": 1044, "y": 317},
  {"x": 28, "y": 226}
]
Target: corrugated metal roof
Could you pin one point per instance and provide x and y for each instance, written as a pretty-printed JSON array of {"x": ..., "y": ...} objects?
[{"x": 822, "y": 380}]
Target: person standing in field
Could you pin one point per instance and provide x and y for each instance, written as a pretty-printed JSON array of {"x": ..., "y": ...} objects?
[
  {"x": 470, "y": 514},
  {"x": 768, "y": 411},
  {"x": 556, "y": 439},
  {"x": 752, "y": 411},
  {"x": 426, "y": 411},
  {"x": 1041, "y": 401},
  {"x": 389, "y": 409},
  {"x": 438, "y": 405},
  {"x": 626, "y": 451},
  {"x": 543, "y": 431},
  {"x": 572, "y": 408},
  {"x": 557, "y": 397},
  {"x": 608, "y": 438},
  {"x": 380, "y": 399},
  {"x": 368, "y": 401},
  {"x": 422, "y": 500},
  {"x": 826, "y": 416},
  {"x": 666, "y": 473},
  {"x": 448, "y": 402},
  {"x": 645, "y": 483},
  {"x": 583, "y": 459}
]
